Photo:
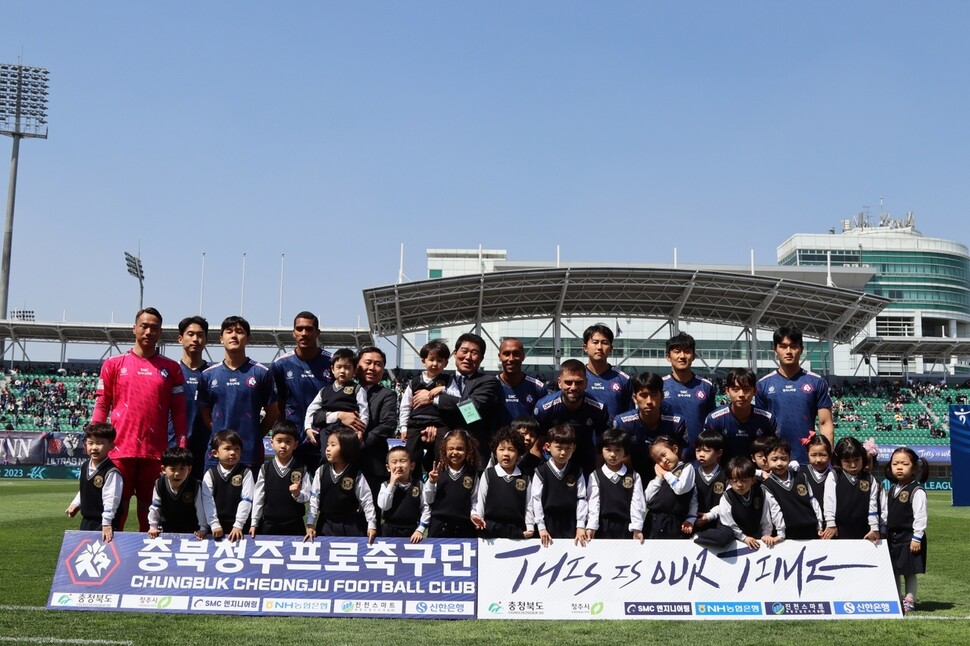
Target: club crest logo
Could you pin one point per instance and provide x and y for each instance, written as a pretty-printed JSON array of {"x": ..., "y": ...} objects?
[
  {"x": 348, "y": 390},
  {"x": 415, "y": 492},
  {"x": 627, "y": 482},
  {"x": 904, "y": 496},
  {"x": 807, "y": 388},
  {"x": 801, "y": 490},
  {"x": 616, "y": 387},
  {"x": 467, "y": 482},
  {"x": 701, "y": 395},
  {"x": 864, "y": 486},
  {"x": 347, "y": 483},
  {"x": 98, "y": 481},
  {"x": 251, "y": 382},
  {"x": 92, "y": 562},
  {"x": 719, "y": 488},
  {"x": 295, "y": 477},
  {"x": 570, "y": 481},
  {"x": 237, "y": 480},
  {"x": 520, "y": 484}
]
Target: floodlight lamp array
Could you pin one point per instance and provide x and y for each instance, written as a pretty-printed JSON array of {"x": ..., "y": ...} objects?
[{"x": 23, "y": 100}]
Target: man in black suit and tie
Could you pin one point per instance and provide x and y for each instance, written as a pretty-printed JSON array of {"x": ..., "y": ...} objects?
[{"x": 471, "y": 399}]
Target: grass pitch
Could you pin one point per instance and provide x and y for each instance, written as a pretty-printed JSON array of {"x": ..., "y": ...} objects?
[{"x": 32, "y": 521}]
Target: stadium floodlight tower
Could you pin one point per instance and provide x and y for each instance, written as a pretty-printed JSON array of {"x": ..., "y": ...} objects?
[
  {"x": 23, "y": 114},
  {"x": 136, "y": 269}
]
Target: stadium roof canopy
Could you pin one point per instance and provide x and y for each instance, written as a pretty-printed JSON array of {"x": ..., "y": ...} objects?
[
  {"x": 118, "y": 335},
  {"x": 722, "y": 297},
  {"x": 903, "y": 346}
]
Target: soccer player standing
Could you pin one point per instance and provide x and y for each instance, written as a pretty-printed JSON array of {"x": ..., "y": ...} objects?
[{"x": 137, "y": 392}]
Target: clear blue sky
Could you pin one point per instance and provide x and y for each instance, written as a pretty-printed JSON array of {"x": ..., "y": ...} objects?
[{"x": 332, "y": 132}]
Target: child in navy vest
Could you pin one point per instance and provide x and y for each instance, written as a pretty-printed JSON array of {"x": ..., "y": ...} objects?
[
  {"x": 559, "y": 503},
  {"x": 344, "y": 395},
  {"x": 451, "y": 485},
  {"x": 341, "y": 502},
  {"x": 616, "y": 505},
  {"x": 790, "y": 488},
  {"x": 419, "y": 427},
  {"x": 746, "y": 511},
  {"x": 852, "y": 496},
  {"x": 99, "y": 495},
  {"x": 501, "y": 507},
  {"x": 282, "y": 487},
  {"x": 906, "y": 519},
  {"x": 819, "y": 469},
  {"x": 670, "y": 496},
  {"x": 227, "y": 488},
  {"x": 404, "y": 510},
  {"x": 177, "y": 498}
]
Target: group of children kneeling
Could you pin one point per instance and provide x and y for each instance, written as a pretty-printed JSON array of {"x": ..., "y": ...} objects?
[{"x": 520, "y": 493}]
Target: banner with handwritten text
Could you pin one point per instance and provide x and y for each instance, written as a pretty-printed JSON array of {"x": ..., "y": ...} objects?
[{"x": 681, "y": 580}]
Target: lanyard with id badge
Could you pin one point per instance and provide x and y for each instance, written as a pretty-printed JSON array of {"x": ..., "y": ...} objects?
[{"x": 467, "y": 407}]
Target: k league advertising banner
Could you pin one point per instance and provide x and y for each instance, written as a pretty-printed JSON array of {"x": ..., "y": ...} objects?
[
  {"x": 267, "y": 576},
  {"x": 960, "y": 448},
  {"x": 455, "y": 579},
  {"x": 681, "y": 580}
]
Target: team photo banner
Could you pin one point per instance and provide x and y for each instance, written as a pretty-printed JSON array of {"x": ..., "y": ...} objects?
[
  {"x": 681, "y": 580},
  {"x": 464, "y": 579},
  {"x": 267, "y": 576}
]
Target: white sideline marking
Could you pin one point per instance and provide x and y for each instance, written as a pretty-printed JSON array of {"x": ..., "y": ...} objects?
[{"x": 57, "y": 640}]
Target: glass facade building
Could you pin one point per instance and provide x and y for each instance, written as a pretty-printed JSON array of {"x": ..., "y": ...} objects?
[{"x": 928, "y": 280}]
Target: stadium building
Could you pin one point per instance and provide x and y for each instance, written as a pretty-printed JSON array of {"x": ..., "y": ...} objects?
[{"x": 903, "y": 305}]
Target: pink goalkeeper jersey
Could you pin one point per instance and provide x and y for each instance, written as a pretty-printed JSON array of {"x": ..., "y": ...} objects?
[{"x": 139, "y": 394}]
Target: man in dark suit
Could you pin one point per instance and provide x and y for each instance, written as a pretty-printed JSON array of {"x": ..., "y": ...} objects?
[
  {"x": 471, "y": 400},
  {"x": 382, "y": 404}
]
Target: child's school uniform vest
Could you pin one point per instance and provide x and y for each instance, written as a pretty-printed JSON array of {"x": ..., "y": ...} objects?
[
  {"x": 852, "y": 509},
  {"x": 816, "y": 482},
  {"x": 506, "y": 499},
  {"x": 91, "y": 489},
  {"x": 453, "y": 495},
  {"x": 405, "y": 511},
  {"x": 668, "y": 510},
  {"x": 747, "y": 512},
  {"x": 425, "y": 415},
  {"x": 178, "y": 510},
  {"x": 559, "y": 498},
  {"x": 709, "y": 492},
  {"x": 227, "y": 494},
  {"x": 615, "y": 497},
  {"x": 278, "y": 504},
  {"x": 341, "y": 400},
  {"x": 338, "y": 500},
  {"x": 899, "y": 513},
  {"x": 796, "y": 505}
]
